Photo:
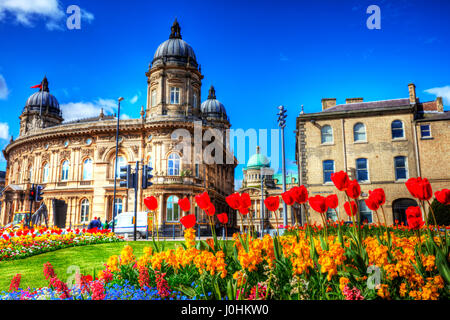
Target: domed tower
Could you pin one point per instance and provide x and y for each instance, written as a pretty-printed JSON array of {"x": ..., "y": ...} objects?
[
  {"x": 41, "y": 111},
  {"x": 174, "y": 79},
  {"x": 214, "y": 111},
  {"x": 252, "y": 172}
]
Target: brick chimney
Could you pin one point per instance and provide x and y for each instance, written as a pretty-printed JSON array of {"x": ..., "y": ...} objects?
[
  {"x": 439, "y": 104},
  {"x": 412, "y": 93},
  {"x": 353, "y": 100},
  {"x": 328, "y": 103}
]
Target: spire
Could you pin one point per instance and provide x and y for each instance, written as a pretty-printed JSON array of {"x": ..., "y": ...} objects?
[
  {"x": 44, "y": 84},
  {"x": 212, "y": 93},
  {"x": 257, "y": 149},
  {"x": 175, "y": 30}
]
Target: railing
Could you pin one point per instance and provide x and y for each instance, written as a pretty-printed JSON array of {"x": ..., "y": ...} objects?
[{"x": 85, "y": 183}]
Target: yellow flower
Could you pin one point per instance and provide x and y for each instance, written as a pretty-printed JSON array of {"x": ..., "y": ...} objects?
[{"x": 113, "y": 263}]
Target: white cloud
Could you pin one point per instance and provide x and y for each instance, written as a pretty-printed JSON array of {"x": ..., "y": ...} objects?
[
  {"x": 134, "y": 99},
  {"x": 26, "y": 12},
  {"x": 80, "y": 110},
  {"x": 4, "y": 92},
  {"x": 4, "y": 130},
  {"x": 443, "y": 92}
]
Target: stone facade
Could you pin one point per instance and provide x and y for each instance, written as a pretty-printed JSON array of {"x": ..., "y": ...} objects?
[
  {"x": 271, "y": 186},
  {"x": 75, "y": 161},
  {"x": 358, "y": 138}
]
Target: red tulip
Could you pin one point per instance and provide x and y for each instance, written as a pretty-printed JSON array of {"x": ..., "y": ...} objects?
[
  {"x": 184, "y": 204},
  {"x": 203, "y": 200},
  {"x": 350, "y": 208},
  {"x": 223, "y": 218},
  {"x": 211, "y": 210},
  {"x": 340, "y": 180},
  {"x": 300, "y": 194},
  {"x": 332, "y": 201},
  {"x": 245, "y": 200},
  {"x": 318, "y": 203},
  {"x": 288, "y": 198},
  {"x": 244, "y": 210},
  {"x": 378, "y": 196},
  {"x": 443, "y": 196},
  {"x": 151, "y": 203},
  {"x": 234, "y": 200},
  {"x": 372, "y": 204},
  {"x": 414, "y": 218},
  {"x": 419, "y": 188},
  {"x": 353, "y": 189},
  {"x": 188, "y": 221},
  {"x": 272, "y": 203}
]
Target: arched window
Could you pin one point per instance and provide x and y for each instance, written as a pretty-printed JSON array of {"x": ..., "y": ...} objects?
[
  {"x": 87, "y": 169},
  {"x": 84, "y": 214},
  {"x": 172, "y": 210},
  {"x": 118, "y": 206},
  {"x": 362, "y": 170},
  {"x": 65, "y": 170},
  {"x": 327, "y": 134},
  {"x": 397, "y": 129},
  {"x": 401, "y": 168},
  {"x": 359, "y": 132},
  {"x": 328, "y": 169},
  {"x": 173, "y": 165},
  {"x": 120, "y": 163},
  {"x": 45, "y": 170}
]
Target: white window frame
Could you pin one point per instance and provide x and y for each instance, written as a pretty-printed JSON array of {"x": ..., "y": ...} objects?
[
  {"x": 175, "y": 95},
  {"x": 65, "y": 167},
  {"x": 170, "y": 210},
  {"x": 323, "y": 170},
  {"x": 361, "y": 131},
  {"x": 323, "y": 134},
  {"x": 367, "y": 169},
  {"x": 173, "y": 164},
  {"x": 153, "y": 97},
  {"x": 406, "y": 169},
  {"x": 87, "y": 169},
  {"x": 84, "y": 210},
  {"x": 403, "y": 130}
]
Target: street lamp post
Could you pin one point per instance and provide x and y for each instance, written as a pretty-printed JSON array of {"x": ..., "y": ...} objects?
[
  {"x": 282, "y": 124},
  {"x": 115, "y": 164}
]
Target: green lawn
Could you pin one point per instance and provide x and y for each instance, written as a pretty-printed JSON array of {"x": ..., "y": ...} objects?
[{"x": 87, "y": 258}]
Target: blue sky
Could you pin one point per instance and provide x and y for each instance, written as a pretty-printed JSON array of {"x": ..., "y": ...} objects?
[{"x": 257, "y": 54}]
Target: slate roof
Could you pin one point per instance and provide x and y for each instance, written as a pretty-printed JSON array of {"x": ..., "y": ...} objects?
[{"x": 369, "y": 105}]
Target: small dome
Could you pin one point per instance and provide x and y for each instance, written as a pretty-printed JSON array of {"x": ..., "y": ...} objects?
[
  {"x": 43, "y": 100},
  {"x": 258, "y": 160},
  {"x": 175, "y": 50},
  {"x": 213, "y": 107}
]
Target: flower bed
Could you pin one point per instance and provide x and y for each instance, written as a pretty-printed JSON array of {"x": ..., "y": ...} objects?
[
  {"x": 334, "y": 261},
  {"x": 23, "y": 242}
]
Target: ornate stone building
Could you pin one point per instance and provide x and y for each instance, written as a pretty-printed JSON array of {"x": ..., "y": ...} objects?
[
  {"x": 75, "y": 160},
  {"x": 260, "y": 182},
  {"x": 379, "y": 143}
]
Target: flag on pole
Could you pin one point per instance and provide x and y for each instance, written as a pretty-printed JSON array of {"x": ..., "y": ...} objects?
[{"x": 37, "y": 86}]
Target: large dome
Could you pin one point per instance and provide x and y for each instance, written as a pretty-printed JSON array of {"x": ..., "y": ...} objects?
[
  {"x": 43, "y": 101},
  {"x": 175, "y": 50},
  {"x": 213, "y": 107},
  {"x": 258, "y": 160}
]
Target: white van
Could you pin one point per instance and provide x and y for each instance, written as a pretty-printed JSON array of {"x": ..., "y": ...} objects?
[{"x": 124, "y": 224}]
